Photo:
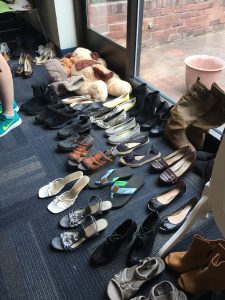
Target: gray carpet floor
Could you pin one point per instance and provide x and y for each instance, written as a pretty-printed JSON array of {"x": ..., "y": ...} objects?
[{"x": 29, "y": 268}]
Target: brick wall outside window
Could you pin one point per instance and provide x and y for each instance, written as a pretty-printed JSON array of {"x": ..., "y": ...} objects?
[{"x": 164, "y": 20}]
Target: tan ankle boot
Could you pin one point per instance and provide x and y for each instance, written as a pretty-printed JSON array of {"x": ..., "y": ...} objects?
[
  {"x": 192, "y": 106},
  {"x": 210, "y": 278},
  {"x": 212, "y": 119},
  {"x": 197, "y": 256}
]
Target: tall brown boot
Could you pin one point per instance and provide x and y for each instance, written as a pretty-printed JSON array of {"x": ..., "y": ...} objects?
[
  {"x": 210, "y": 278},
  {"x": 212, "y": 119},
  {"x": 193, "y": 105},
  {"x": 197, "y": 256}
]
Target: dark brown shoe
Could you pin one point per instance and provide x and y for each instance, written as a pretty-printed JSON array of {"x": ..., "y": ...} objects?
[
  {"x": 173, "y": 174},
  {"x": 162, "y": 163}
]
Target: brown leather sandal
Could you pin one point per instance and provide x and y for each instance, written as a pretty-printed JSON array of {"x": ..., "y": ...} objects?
[
  {"x": 97, "y": 161},
  {"x": 78, "y": 154}
]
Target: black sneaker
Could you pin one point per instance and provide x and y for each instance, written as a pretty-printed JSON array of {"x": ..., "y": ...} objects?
[
  {"x": 62, "y": 118},
  {"x": 81, "y": 125},
  {"x": 49, "y": 112}
]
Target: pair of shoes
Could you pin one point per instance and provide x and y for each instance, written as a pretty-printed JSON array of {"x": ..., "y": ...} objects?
[
  {"x": 135, "y": 159},
  {"x": 202, "y": 266},
  {"x": 159, "y": 125},
  {"x": 128, "y": 281},
  {"x": 141, "y": 247},
  {"x": 42, "y": 96},
  {"x": 73, "y": 239},
  {"x": 99, "y": 160},
  {"x": 164, "y": 290},
  {"x": 174, "y": 165},
  {"x": 7, "y": 124},
  {"x": 124, "y": 184},
  {"x": 114, "y": 120},
  {"x": 62, "y": 117},
  {"x": 66, "y": 199},
  {"x": 126, "y": 125},
  {"x": 116, "y": 101},
  {"x": 81, "y": 150},
  {"x": 80, "y": 124},
  {"x": 25, "y": 66},
  {"x": 195, "y": 113},
  {"x": 74, "y": 141},
  {"x": 124, "y": 135},
  {"x": 48, "y": 54}
]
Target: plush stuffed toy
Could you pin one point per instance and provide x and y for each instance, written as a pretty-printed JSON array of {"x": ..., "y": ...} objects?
[{"x": 86, "y": 74}]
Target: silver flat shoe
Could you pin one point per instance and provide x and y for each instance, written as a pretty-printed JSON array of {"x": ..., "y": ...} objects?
[
  {"x": 129, "y": 124},
  {"x": 124, "y": 136},
  {"x": 116, "y": 119}
]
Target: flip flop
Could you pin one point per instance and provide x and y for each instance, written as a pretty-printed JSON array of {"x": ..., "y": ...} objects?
[
  {"x": 71, "y": 240},
  {"x": 75, "y": 218},
  {"x": 54, "y": 187},
  {"x": 106, "y": 178},
  {"x": 123, "y": 191}
]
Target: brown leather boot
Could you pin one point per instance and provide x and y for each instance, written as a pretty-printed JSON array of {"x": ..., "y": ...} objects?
[
  {"x": 210, "y": 278},
  {"x": 197, "y": 256},
  {"x": 212, "y": 119},
  {"x": 193, "y": 105}
]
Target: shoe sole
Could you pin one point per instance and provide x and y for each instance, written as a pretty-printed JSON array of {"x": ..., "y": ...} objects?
[
  {"x": 140, "y": 164},
  {"x": 18, "y": 123},
  {"x": 128, "y": 151}
]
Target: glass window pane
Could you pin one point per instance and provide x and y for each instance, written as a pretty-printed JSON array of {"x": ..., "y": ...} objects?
[
  {"x": 109, "y": 18},
  {"x": 173, "y": 30}
]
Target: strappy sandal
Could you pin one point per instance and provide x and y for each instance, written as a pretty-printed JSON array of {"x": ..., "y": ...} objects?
[
  {"x": 67, "y": 199},
  {"x": 97, "y": 161},
  {"x": 54, "y": 187},
  {"x": 78, "y": 154},
  {"x": 71, "y": 240},
  {"x": 132, "y": 144},
  {"x": 159, "y": 165},
  {"x": 128, "y": 281},
  {"x": 135, "y": 160},
  {"x": 165, "y": 290},
  {"x": 102, "y": 178},
  {"x": 123, "y": 191},
  {"x": 75, "y": 218}
]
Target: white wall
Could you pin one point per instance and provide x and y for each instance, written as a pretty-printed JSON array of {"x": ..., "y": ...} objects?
[
  {"x": 65, "y": 18},
  {"x": 58, "y": 19}
]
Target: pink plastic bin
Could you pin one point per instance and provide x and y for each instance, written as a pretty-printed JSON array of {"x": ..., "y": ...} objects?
[{"x": 208, "y": 68}]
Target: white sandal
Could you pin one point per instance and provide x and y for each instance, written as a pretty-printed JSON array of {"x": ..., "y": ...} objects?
[
  {"x": 54, "y": 187},
  {"x": 67, "y": 199}
]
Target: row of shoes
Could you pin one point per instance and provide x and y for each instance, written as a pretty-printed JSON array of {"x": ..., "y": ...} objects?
[
  {"x": 25, "y": 68},
  {"x": 125, "y": 284}
]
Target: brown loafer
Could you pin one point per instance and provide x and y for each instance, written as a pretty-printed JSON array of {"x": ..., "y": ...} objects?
[
  {"x": 173, "y": 174},
  {"x": 161, "y": 164}
]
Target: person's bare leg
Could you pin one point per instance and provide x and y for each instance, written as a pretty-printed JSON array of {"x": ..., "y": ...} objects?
[{"x": 6, "y": 88}]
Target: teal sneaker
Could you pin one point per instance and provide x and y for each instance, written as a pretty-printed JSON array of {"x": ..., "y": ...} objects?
[
  {"x": 15, "y": 106},
  {"x": 8, "y": 124}
]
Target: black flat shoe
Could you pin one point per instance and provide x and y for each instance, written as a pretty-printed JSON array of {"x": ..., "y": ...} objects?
[
  {"x": 107, "y": 250},
  {"x": 81, "y": 125},
  {"x": 174, "y": 221},
  {"x": 49, "y": 112},
  {"x": 145, "y": 239},
  {"x": 62, "y": 118},
  {"x": 165, "y": 198}
]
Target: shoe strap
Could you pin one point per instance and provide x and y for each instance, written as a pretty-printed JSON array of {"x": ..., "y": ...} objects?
[
  {"x": 103, "y": 181},
  {"x": 119, "y": 189}
]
